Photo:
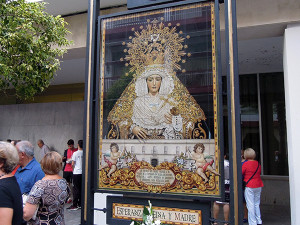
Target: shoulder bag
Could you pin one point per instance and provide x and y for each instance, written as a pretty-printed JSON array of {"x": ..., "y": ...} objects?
[{"x": 245, "y": 183}]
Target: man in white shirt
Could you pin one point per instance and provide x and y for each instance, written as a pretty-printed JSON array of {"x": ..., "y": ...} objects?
[
  {"x": 77, "y": 158},
  {"x": 44, "y": 148}
]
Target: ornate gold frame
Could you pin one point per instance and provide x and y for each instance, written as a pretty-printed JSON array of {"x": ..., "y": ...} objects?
[{"x": 188, "y": 182}]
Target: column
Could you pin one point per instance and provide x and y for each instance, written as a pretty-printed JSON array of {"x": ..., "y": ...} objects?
[{"x": 291, "y": 62}]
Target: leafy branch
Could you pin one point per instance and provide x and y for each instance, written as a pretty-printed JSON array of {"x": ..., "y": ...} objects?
[
  {"x": 31, "y": 41},
  {"x": 148, "y": 218}
]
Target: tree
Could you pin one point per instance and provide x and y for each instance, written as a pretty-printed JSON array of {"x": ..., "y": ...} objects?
[{"x": 31, "y": 41}]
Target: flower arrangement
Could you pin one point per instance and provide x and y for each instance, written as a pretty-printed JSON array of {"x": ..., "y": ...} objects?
[{"x": 148, "y": 218}]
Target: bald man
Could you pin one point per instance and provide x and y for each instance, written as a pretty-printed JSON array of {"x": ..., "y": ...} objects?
[{"x": 44, "y": 148}]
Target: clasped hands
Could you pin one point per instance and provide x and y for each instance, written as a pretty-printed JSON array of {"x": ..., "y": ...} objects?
[{"x": 141, "y": 133}]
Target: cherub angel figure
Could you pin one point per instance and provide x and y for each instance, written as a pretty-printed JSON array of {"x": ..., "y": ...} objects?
[
  {"x": 112, "y": 161},
  {"x": 201, "y": 164}
]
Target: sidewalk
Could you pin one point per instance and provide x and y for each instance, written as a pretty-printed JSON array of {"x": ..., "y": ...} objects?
[
  {"x": 271, "y": 215},
  {"x": 72, "y": 217},
  {"x": 276, "y": 215}
]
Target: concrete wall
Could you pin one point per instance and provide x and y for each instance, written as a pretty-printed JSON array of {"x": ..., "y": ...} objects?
[
  {"x": 275, "y": 191},
  {"x": 55, "y": 123}
]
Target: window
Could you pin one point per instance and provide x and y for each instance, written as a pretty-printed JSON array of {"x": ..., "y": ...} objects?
[
  {"x": 263, "y": 122},
  {"x": 273, "y": 123}
]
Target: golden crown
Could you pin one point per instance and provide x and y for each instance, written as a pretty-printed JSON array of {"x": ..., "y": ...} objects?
[{"x": 155, "y": 44}]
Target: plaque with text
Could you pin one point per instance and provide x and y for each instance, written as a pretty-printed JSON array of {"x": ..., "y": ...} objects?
[
  {"x": 159, "y": 107},
  {"x": 165, "y": 214}
]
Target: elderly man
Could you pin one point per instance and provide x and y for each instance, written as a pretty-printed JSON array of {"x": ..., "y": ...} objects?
[
  {"x": 44, "y": 148},
  {"x": 30, "y": 170}
]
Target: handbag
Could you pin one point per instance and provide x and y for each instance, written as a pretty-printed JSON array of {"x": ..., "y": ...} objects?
[
  {"x": 24, "y": 198},
  {"x": 244, "y": 184}
]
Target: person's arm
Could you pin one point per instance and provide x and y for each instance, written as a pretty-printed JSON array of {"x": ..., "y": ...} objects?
[
  {"x": 29, "y": 211},
  {"x": 244, "y": 169},
  {"x": 168, "y": 118},
  {"x": 6, "y": 215},
  {"x": 47, "y": 149},
  {"x": 33, "y": 200},
  {"x": 65, "y": 155},
  {"x": 73, "y": 160},
  {"x": 115, "y": 157},
  {"x": 194, "y": 157}
]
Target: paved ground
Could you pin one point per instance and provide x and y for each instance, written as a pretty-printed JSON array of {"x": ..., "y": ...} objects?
[
  {"x": 276, "y": 215},
  {"x": 72, "y": 217},
  {"x": 271, "y": 215}
]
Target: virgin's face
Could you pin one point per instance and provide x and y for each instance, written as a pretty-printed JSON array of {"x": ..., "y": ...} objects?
[{"x": 153, "y": 83}]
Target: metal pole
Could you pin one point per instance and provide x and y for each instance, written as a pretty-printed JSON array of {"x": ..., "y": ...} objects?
[
  {"x": 236, "y": 205},
  {"x": 87, "y": 214}
]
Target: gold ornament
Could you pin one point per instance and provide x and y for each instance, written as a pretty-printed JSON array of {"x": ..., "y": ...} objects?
[
  {"x": 156, "y": 44},
  {"x": 124, "y": 178}
]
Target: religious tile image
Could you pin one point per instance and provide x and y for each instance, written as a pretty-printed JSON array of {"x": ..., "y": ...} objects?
[
  {"x": 114, "y": 86},
  {"x": 158, "y": 108}
]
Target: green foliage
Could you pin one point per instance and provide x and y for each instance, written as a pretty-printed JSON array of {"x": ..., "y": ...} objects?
[
  {"x": 30, "y": 43},
  {"x": 146, "y": 213},
  {"x": 115, "y": 91},
  {"x": 148, "y": 217}
]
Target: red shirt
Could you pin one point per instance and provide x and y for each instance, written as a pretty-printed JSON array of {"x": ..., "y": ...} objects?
[
  {"x": 248, "y": 169},
  {"x": 68, "y": 167},
  {"x": 15, "y": 170}
]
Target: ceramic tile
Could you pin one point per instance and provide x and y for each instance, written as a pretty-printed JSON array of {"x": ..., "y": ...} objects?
[{"x": 114, "y": 87}]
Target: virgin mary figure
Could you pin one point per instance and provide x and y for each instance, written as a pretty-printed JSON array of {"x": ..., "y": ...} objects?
[
  {"x": 152, "y": 115},
  {"x": 155, "y": 104}
]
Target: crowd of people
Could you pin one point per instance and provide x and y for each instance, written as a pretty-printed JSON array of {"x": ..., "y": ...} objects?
[{"x": 33, "y": 192}]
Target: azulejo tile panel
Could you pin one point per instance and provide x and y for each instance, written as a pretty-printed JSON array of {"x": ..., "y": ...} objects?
[{"x": 154, "y": 135}]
